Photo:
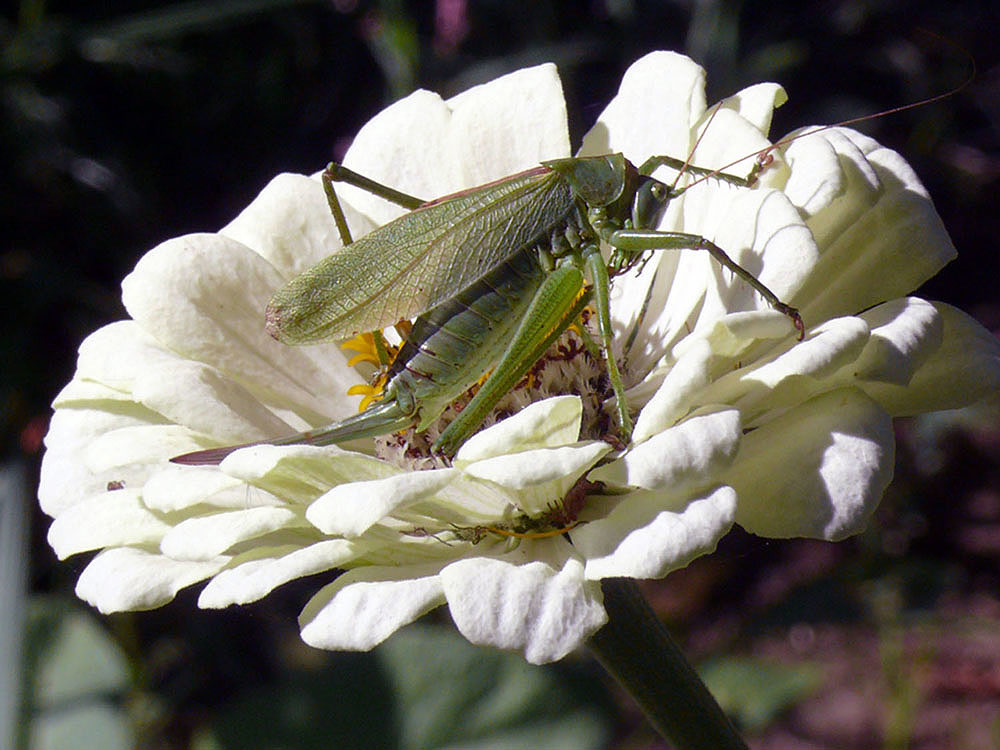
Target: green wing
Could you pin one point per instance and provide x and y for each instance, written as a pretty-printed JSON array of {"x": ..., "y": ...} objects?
[{"x": 409, "y": 265}]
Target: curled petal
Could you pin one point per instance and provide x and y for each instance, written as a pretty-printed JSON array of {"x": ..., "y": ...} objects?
[
  {"x": 686, "y": 455},
  {"x": 904, "y": 334},
  {"x": 642, "y": 539},
  {"x": 962, "y": 370},
  {"x": 208, "y": 536},
  {"x": 544, "y": 424},
  {"x": 366, "y": 605},
  {"x": 841, "y": 446},
  {"x": 255, "y": 578},
  {"x": 528, "y": 468},
  {"x": 543, "y": 611},
  {"x": 129, "y": 578},
  {"x": 880, "y": 234},
  {"x": 105, "y": 520},
  {"x": 351, "y": 509}
]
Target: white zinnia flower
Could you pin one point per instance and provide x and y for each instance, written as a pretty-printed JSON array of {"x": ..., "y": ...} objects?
[{"x": 738, "y": 422}]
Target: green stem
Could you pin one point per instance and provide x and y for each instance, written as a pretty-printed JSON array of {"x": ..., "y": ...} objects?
[{"x": 636, "y": 648}]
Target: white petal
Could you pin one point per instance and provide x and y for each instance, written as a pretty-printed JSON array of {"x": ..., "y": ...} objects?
[
  {"x": 544, "y": 424},
  {"x": 105, "y": 520},
  {"x": 521, "y": 470},
  {"x": 661, "y": 97},
  {"x": 125, "y": 578},
  {"x": 804, "y": 370},
  {"x": 301, "y": 473},
  {"x": 255, "y": 579},
  {"x": 639, "y": 539},
  {"x": 207, "y": 536},
  {"x": 66, "y": 478},
  {"x": 174, "y": 488},
  {"x": 672, "y": 399},
  {"x": 491, "y": 120},
  {"x": 123, "y": 357},
  {"x": 904, "y": 333},
  {"x": 827, "y": 348},
  {"x": 964, "y": 369},
  {"x": 819, "y": 470},
  {"x": 689, "y": 453},
  {"x": 366, "y": 605},
  {"x": 351, "y": 509},
  {"x": 756, "y": 104},
  {"x": 146, "y": 444},
  {"x": 428, "y": 148},
  {"x": 290, "y": 224},
  {"x": 79, "y": 392},
  {"x": 542, "y": 611},
  {"x": 880, "y": 234},
  {"x": 761, "y": 231},
  {"x": 203, "y": 296}
]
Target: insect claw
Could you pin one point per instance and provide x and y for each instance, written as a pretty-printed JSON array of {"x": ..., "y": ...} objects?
[{"x": 792, "y": 313}]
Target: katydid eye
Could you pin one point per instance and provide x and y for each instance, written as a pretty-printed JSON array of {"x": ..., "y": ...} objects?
[{"x": 650, "y": 200}]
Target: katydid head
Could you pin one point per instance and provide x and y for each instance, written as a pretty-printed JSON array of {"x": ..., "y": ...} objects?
[{"x": 650, "y": 201}]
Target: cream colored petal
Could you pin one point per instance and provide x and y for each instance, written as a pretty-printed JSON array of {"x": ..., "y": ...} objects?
[
  {"x": 301, "y": 473},
  {"x": 661, "y": 97},
  {"x": 756, "y": 104},
  {"x": 207, "y": 536},
  {"x": 290, "y": 224},
  {"x": 641, "y": 539},
  {"x": 351, "y": 509},
  {"x": 880, "y": 235},
  {"x": 428, "y": 147},
  {"x": 518, "y": 471},
  {"x": 203, "y": 296},
  {"x": 840, "y": 446},
  {"x": 256, "y": 578},
  {"x": 105, "y": 520},
  {"x": 672, "y": 400},
  {"x": 904, "y": 334},
  {"x": 551, "y": 423},
  {"x": 690, "y": 453},
  {"x": 963, "y": 370},
  {"x": 175, "y": 488},
  {"x": 123, "y": 357},
  {"x": 366, "y": 605},
  {"x": 126, "y": 578},
  {"x": 542, "y": 611}
]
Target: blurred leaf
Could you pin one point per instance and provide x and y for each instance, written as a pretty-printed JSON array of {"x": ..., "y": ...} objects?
[
  {"x": 347, "y": 704},
  {"x": 754, "y": 691},
  {"x": 426, "y": 687},
  {"x": 452, "y": 694},
  {"x": 78, "y": 676}
]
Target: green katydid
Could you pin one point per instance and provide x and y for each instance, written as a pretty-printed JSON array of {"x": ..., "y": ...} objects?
[{"x": 493, "y": 275}]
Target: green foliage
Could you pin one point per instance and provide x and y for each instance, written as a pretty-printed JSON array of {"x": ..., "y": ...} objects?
[
  {"x": 754, "y": 691},
  {"x": 426, "y": 687},
  {"x": 77, "y": 678}
]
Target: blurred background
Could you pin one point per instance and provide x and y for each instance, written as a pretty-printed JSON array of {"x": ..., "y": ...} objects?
[{"x": 127, "y": 125}]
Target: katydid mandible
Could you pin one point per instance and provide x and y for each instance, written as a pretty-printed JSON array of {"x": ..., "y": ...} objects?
[{"x": 493, "y": 275}]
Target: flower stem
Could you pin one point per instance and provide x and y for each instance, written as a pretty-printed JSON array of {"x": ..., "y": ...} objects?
[{"x": 636, "y": 648}]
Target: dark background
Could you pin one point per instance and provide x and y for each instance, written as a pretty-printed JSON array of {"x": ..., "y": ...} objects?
[{"x": 127, "y": 125}]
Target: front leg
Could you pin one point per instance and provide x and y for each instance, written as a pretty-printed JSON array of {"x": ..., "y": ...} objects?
[{"x": 634, "y": 241}]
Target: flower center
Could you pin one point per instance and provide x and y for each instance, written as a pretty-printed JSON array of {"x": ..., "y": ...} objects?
[{"x": 572, "y": 365}]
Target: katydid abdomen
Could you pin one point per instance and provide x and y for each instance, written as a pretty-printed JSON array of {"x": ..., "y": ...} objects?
[{"x": 453, "y": 345}]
